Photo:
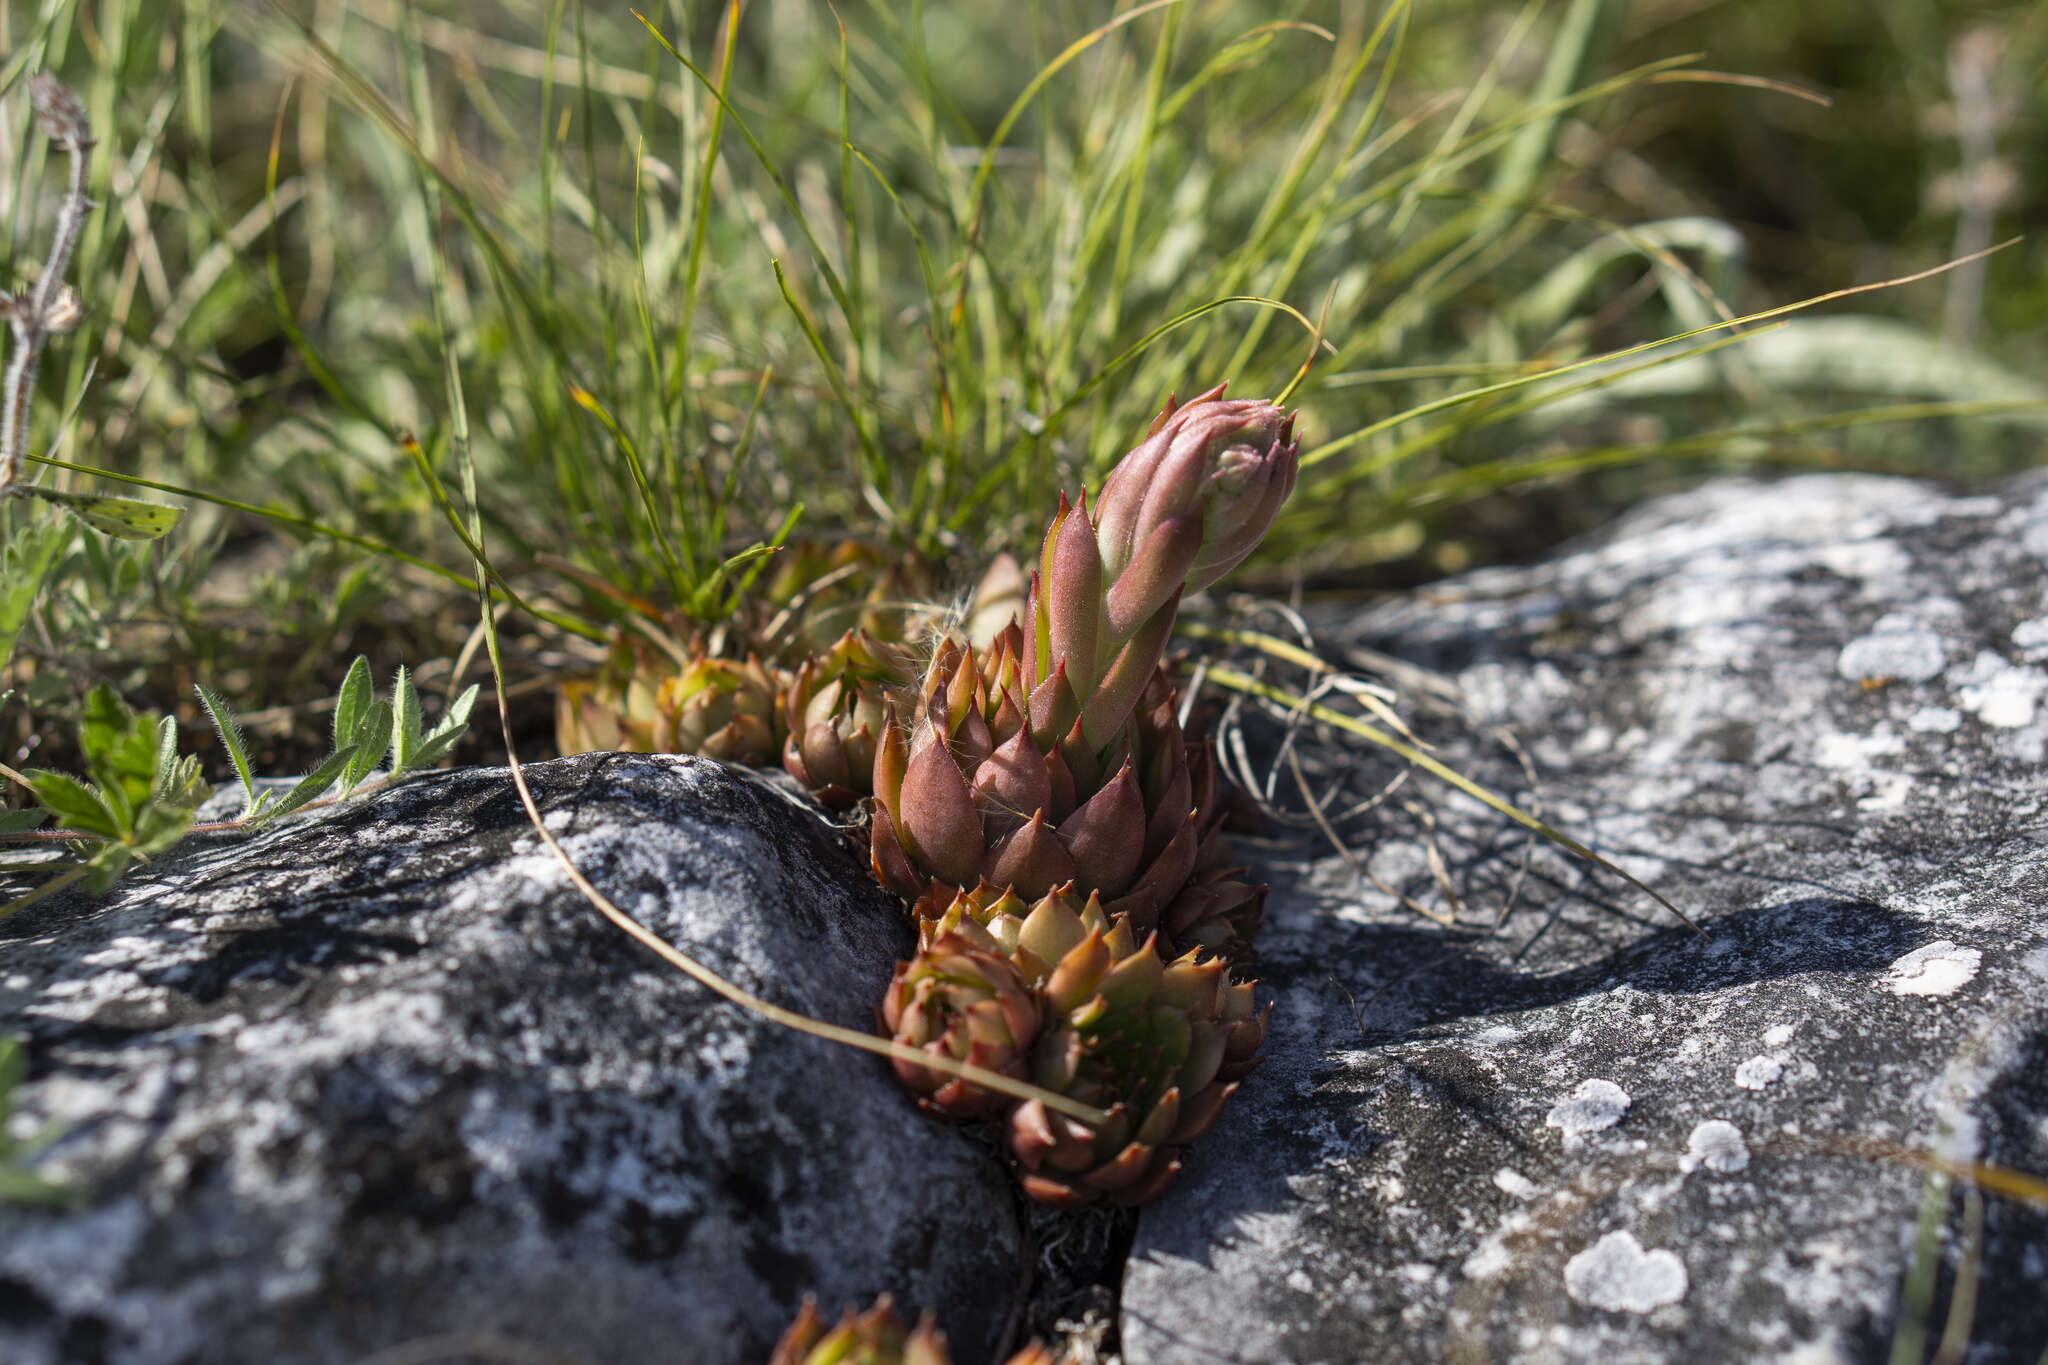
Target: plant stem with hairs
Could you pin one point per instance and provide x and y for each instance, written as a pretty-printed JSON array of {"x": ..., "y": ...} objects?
[{"x": 51, "y": 307}]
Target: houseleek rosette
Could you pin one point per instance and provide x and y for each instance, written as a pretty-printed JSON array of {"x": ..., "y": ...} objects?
[
  {"x": 959, "y": 1000},
  {"x": 1054, "y": 754}
]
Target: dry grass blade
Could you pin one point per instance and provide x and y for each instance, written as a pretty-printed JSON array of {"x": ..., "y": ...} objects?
[{"x": 1280, "y": 696}]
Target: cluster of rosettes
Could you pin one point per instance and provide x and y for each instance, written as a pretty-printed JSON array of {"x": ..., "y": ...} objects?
[
  {"x": 1058, "y": 992},
  {"x": 822, "y": 720},
  {"x": 1037, "y": 798}
]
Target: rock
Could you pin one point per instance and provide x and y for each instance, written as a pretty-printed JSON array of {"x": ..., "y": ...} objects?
[
  {"x": 1810, "y": 713},
  {"x": 382, "y": 1075}
]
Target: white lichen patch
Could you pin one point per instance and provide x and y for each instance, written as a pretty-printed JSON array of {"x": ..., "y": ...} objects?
[
  {"x": 1777, "y": 1035},
  {"x": 1999, "y": 694},
  {"x": 1617, "y": 1274},
  {"x": 2030, "y": 638},
  {"x": 1715, "y": 1145},
  {"x": 1940, "y": 968},
  {"x": 1595, "y": 1105},
  {"x": 1508, "y": 1180},
  {"x": 1759, "y": 1072},
  {"x": 1855, "y": 752},
  {"x": 1910, "y": 655},
  {"x": 1935, "y": 720}
]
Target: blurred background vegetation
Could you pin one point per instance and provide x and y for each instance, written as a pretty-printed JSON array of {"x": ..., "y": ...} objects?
[{"x": 919, "y": 266}]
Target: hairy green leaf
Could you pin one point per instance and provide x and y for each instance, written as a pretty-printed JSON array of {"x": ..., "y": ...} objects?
[
  {"x": 405, "y": 731},
  {"x": 230, "y": 731},
  {"x": 352, "y": 703},
  {"x": 77, "y": 805},
  {"x": 314, "y": 784},
  {"x": 373, "y": 741}
]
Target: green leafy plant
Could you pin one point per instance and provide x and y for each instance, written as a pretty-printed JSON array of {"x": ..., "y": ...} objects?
[{"x": 140, "y": 796}]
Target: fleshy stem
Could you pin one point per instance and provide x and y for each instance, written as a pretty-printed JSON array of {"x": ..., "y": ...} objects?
[{"x": 51, "y": 308}]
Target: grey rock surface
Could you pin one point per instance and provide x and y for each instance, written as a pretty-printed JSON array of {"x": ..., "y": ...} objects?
[
  {"x": 383, "y": 1076},
  {"x": 1558, "y": 1126}
]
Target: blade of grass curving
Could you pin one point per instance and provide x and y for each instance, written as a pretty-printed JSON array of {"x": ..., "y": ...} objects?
[
  {"x": 1583, "y": 40},
  {"x": 876, "y": 469},
  {"x": 1319, "y": 216},
  {"x": 1431, "y": 167},
  {"x": 723, "y": 503},
  {"x": 986, "y": 167},
  {"x": 1438, "y": 434},
  {"x": 682, "y": 569},
  {"x": 822, "y": 261},
  {"x": 1108, "y": 371},
  {"x": 281, "y": 518},
  {"x": 411, "y": 447},
  {"x": 287, "y": 318},
  {"x": 547, "y": 156},
  {"x": 700, "y": 220},
  {"x": 1243, "y": 682},
  {"x": 1139, "y": 173},
  {"x": 1342, "y": 443},
  {"x": 1232, "y": 55},
  {"x": 588, "y": 401},
  {"x": 925, "y": 490},
  {"x": 599, "y": 226},
  {"x": 1344, "y": 78}
]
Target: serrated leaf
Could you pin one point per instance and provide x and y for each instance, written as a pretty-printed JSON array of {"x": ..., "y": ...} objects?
[
  {"x": 121, "y": 518},
  {"x": 21, "y": 821},
  {"x": 405, "y": 722},
  {"x": 230, "y": 731},
  {"x": 76, "y": 804},
  {"x": 373, "y": 740},
  {"x": 314, "y": 784},
  {"x": 120, "y": 751},
  {"x": 352, "y": 702}
]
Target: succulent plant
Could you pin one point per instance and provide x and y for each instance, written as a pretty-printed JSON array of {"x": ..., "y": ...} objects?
[
  {"x": 960, "y": 1000},
  {"x": 1229, "y": 461},
  {"x": 875, "y": 1337},
  {"x": 615, "y": 709},
  {"x": 721, "y": 709},
  {"x": 1158, "y": 1045},
  {"x": 827, "y": 588},
  {"x": 1054, "y": 754},
  {"x": 833, "y": 714}
]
